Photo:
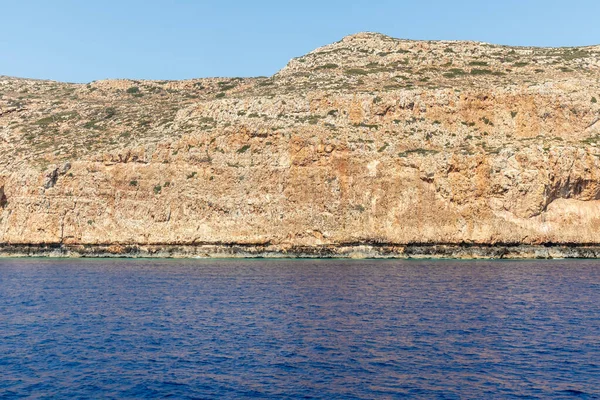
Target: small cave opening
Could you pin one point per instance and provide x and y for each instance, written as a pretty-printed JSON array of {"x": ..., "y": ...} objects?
[{"x": 577, "y": 189}]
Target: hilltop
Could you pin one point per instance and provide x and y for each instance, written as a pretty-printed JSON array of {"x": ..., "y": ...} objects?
[{"x": 367, "y": 146}]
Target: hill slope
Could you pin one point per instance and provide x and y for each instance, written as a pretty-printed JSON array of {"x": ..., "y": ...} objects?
[{"x": 368, "y": 146}]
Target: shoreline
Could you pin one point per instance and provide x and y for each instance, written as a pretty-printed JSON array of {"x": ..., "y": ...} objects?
[{"x": 342, "y": 251}]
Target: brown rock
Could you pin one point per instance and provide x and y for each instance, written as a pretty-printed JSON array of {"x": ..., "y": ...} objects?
[{"x": 371, "y": 140}]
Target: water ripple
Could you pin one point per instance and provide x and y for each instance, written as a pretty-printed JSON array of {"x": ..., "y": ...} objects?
[{"x": 299, "y": 329}]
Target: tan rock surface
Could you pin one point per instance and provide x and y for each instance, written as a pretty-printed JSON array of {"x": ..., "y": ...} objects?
[{"x": 368, "y": 140}]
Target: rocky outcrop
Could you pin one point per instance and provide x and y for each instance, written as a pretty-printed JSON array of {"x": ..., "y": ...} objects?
[{"x": 372, "y": 141}]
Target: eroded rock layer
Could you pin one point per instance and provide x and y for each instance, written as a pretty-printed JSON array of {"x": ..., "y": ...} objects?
[{"x": 371, "y": 141}]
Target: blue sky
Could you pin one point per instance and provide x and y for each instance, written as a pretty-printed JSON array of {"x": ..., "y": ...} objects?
[{"x": 81, "y": 41}]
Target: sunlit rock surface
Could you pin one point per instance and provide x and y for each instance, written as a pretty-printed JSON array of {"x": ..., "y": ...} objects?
[{"x": 366, "y": 144}]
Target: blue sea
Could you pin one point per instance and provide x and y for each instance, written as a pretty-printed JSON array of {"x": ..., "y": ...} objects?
[{"x": 322, "y": 329}]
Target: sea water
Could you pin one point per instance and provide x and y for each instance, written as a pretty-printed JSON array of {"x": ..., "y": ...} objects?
[{"x": 299, "y": 329}]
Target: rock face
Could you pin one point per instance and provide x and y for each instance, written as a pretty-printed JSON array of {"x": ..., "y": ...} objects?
[{"x": 370, "y": 141}]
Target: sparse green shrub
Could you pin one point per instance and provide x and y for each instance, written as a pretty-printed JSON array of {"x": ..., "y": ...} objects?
[
  {"x": 571, "y": 54},
  {"x": 157, "y": 189},
  {"x": 243, "y": 149},
  {"x": 363, "y": 125},
  {"x": 594, "y": 100},
  {"x": 421, "y": 152},
  {"x": 109, "y": 112},
  {"x": 133, "y": 182},
  {"x": 91, "y": 125},
  {"x": 476, "y": 71},
  {"x": 454, "y": 72},
  {"x": 327, "y": 66},
  {"x": 208, "y": 120},
  {"x": 481, "y": 71},
  {"x": 45, "y": 121},
  {"x": 220, "y": 95},
  {"x": 355, "y": 71},
  {"x": 479, "y": 63},
  {"x": 311, "y": 119},
  {"x": 225, "y": 85},
  {"x": 133, "y": 90}
]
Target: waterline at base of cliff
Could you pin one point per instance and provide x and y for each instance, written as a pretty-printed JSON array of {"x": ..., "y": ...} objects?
[{"x": 350, "y": 251}]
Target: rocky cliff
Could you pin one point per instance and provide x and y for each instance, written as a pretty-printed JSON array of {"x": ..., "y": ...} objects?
[{"x": 368, "y": 146}]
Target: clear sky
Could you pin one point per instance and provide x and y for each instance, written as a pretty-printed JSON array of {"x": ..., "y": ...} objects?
[{"x": 81, "y": 41}]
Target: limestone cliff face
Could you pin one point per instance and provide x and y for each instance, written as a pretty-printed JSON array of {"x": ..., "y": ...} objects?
[{"x": 368, "y": 140}]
